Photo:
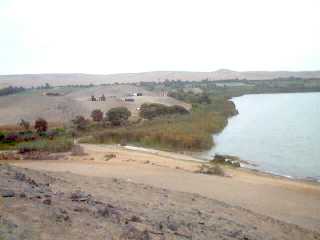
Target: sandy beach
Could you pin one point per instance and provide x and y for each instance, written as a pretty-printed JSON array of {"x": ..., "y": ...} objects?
[{"x": 291, "y": 201}]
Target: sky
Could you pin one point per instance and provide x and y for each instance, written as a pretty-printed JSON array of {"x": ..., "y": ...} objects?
[{"x": 118, "y": 36}]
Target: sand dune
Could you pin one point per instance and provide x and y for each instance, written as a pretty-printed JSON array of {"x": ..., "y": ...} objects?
[{"x": 28, "y": 80}]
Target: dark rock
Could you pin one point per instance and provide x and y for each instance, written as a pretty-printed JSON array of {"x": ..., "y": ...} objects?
[
  {"x": 135, "y": 219},
  {"x": 80, "y": 196},
  {"x": 81, "y": 209},
  {"x": 232, "y": 161},
  {"x": 47, "y": 201},
  {"x": 104, "y": 211},
  {"x": 234, "y": 233},
  {"x": 161, "y": 226},
  {"x": 133, "y": 233},
  {"x": 22, "y": 195},
  {"x": 173, "y": 226},
  {"x": 7, "y": 193},
  {"x": 61, "y": 215},
  {"x": 111, "y": 212},
  {"x": 20, "y": 176}
]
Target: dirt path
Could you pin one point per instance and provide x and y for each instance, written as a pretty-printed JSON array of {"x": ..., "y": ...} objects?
[{"x": 289, "y": 201}]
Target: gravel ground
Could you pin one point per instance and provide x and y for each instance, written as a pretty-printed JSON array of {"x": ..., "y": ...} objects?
[{"x": 44, "y": 205}]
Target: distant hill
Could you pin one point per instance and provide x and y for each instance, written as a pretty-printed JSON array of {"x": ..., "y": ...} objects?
[{"x": 28, "y": 80}]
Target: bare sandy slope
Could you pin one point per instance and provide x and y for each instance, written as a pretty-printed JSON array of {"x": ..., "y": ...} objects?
[
  {"x": 42, "y": 205},
  {"x": 290, "y": 201},
  {"x": 74, "y": 101}
]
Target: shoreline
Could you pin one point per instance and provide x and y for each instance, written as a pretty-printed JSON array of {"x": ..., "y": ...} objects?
[
  {"x": 252, "y": 166},
  {"x": 197, "y": 159},
  {"x": 278, "y": 197}
]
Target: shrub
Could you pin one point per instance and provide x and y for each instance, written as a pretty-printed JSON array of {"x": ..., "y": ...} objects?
[
  {"x": 41, "y": 125},
  {"x": 153, "y": 110},
  {"x": 191, "y": 97},
  {"x": 2, "y": 136},
  {"x": 45, "y": 145},
  {"x": 11, "y": 137},
  {"x": 11, "y": 90},
  {"x": 109, "y": 156},
  {"x": 118, "y": 115},
  {"x": 97, "y": 115},
  {"x": 80, "y": 123},
  {"x": 185, "y": 132},
  {"x": 176, "y": 109},
  {"x": 228, "y": 160},
  {"x": 212, "y": 170},
  {"x": 51, "y": 134},
  {"x": 27, "y": 136}
]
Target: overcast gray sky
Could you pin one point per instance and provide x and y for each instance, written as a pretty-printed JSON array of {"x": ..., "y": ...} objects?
[{"x": 93, "y": 36}]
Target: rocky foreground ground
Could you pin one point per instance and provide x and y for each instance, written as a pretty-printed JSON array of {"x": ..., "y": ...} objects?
[{"x": 43, "y": 205}]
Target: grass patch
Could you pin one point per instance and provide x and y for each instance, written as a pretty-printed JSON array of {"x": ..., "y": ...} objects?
[
  {"x": 181, "y": 132},
  {"x": 7, "y": 146},
  {"x": 46, "y": 145}
]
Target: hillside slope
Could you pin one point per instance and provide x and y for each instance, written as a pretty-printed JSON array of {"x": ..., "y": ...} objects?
[
  {"x": 28, "y": 80},
  {"x": 43, "y": 205},
  {"x": 32, "y": 104}
]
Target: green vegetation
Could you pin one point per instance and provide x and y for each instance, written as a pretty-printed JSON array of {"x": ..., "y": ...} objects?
[
  {"x": 118, "y": 116},
  {"x": 195, "y": 98},
  {"x": 211, "y": 108},
  {"x": 97, "y": 115},
  {"x": 172, "y": 132},
  {"x": 227, "y": 160},
  {"x": 11, "y": 90},
  {"x": 158, "y": 126},
  {"x": 80, "y": 123},
  {"x": 42, "y": 139},
  {"x": 46, "y": 145},
  {"x": 153, "y": 110}
]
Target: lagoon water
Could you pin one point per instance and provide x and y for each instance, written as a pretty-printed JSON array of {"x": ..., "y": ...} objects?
[{"x": 280, "y": 133}]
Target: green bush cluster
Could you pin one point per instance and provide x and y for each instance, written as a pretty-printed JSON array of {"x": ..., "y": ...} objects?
[
  {"x": 195, "y": 98},
  {"x": 118, "y": 115},
  {"x": 179, "y": 132},
  {"x": 10, "y": 140},
  {"x": 153, "y": 110}
]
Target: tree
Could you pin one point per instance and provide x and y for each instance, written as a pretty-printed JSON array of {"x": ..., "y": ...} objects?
[
  {"x": 80, "y": 123},
  {"x": 24, "y": 124},
  {"x": 47, "y": 86},
  {"x": 97, "y": 115},
  {"x": 41, "y": 125},
  {"x": 153, "y": 110},
  {"x": 118, "y": 115}
]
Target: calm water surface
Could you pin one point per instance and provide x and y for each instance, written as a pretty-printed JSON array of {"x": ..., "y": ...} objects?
[{"x": 278, "y": 132}]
